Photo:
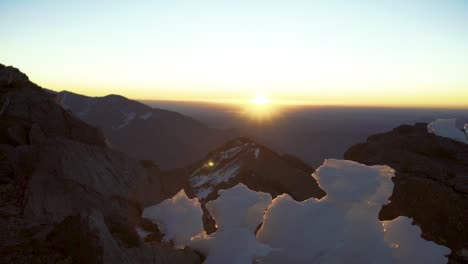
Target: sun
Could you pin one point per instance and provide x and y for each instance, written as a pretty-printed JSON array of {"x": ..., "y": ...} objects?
[
  {"x": 260, "y": 100},
  {"x": 260, "y": 109}
]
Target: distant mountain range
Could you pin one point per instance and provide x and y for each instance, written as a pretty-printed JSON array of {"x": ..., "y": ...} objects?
[{"x": 168, "y": 138}]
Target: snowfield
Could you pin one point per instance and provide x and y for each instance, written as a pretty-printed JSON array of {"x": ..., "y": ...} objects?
[
  {"x": 446, "y": 128},
  {"x": 342, "y": 227}
]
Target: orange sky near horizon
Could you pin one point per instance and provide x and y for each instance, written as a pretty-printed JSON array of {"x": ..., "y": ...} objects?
[{"x": 391, "y": 53}]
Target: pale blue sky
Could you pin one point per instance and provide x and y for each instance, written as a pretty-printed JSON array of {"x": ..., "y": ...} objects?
[{"x": 337, "y": 52}]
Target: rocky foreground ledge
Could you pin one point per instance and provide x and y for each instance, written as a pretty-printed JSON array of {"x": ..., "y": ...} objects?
[
  {"x": 65, "y": 196},
  {"x": 431, "y": 183}
]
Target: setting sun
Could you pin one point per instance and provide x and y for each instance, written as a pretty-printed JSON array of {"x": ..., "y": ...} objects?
[
  {"x": 261, "y": 109},
  {"x": 260, "y": 99}
]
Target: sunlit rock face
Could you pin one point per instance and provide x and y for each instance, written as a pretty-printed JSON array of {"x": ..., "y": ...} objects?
[
  {"x": 446, "y": 128},
  {"x": 342, "y": 227}
]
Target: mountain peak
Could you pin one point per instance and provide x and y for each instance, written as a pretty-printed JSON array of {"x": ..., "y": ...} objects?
[
  {"x": 242, "y": 160},
  {"x": 12, "y": 78}
]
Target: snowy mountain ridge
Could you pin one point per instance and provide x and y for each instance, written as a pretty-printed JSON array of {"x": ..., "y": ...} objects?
[
  {"x": 220, "y": 168},
  {"x": 244, "y": 161}
]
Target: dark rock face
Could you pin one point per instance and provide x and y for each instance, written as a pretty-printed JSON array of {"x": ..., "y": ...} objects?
[
  {"x": 431, "y": 183},
  {"x": 27, "y": 113},
  {"x": 259, "y": 168},
  {"x": 170, "y": 139},
  {"x": 64, "y": 196}
]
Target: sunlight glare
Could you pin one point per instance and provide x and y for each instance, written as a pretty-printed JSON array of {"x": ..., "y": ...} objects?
[{"x": 260, "y": 99}]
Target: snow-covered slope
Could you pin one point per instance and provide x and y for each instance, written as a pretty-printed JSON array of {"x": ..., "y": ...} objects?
[{"x": 342, "y": 227}]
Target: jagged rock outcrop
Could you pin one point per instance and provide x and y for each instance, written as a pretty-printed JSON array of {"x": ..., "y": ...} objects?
[
  {"x": 431, "y": 183},
  {"x": 27, "y": 113},
  {"x": 65, "y": 197},
  {"x": 243, "y": 161},
  {"x": 171, "y": 139}
]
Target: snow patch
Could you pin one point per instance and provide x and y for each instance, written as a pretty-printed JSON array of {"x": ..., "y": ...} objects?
[
  {"x": 225, "y": 166},
  {"x": 212, "y": 179},
  {"x": 230, "y": 153},
  {"x": 257, "y": 153},
  {"x": 231, "y": 246},
  {"x": 239, "y": 207},
  {"x": 142, "y": 233},
  {"x": 238, "y": 212},
  {"x": 446, "y": 128},
  {"x": 202, "y": 193},
  {"x": 178, "y": 218},
  {"x": 128, "y": 118},
  {"x": 146, "y": 116},
  {"x": 405, "y": 240},
  {"x": 343, "y": 227}
]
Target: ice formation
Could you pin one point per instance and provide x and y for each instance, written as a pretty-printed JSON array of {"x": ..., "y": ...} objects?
[
  {"x": 407, "y": 245},
  {"x": 178, "y": 218},
  {"x": 446, "y": 128},
  {"x": 238, "y": 212},
  {"x": 343, "y": 227}
]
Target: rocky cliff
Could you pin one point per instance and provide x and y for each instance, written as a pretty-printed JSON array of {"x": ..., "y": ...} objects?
[
  {"x": 431, "y": 183},
  {"x": 65, "y": 197}
]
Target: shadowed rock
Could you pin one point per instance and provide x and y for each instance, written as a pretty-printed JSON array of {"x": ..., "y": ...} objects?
[
  {"x": 64, "y": 196},
  {"x": 431, "y": 183}
]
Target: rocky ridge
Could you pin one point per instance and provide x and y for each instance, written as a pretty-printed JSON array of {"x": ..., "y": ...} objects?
[
  {"x": 65, "y": 197},
  {"x": 431, "y": 183}
]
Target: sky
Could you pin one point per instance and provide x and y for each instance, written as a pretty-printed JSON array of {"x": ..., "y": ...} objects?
[{"x": 386, "y": 53}]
